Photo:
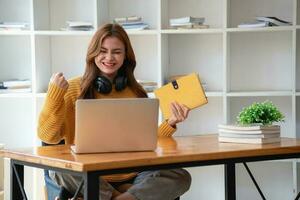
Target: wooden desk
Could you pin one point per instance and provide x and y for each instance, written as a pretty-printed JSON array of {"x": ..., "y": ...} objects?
[{"x": 171, "y": 153}]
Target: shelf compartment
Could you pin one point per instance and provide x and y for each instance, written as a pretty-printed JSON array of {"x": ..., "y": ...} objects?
[
  {"x": 108, "y": 10},
  {"x": 53, "y": 14},
  {"x": 254, "y": 56},
  {"x": 211, "y": 10},
  {"x": 16, "y": 122},
  {"x": 49, "y": 59},
  {"x": 283, "y": 103},
  {"x": 15, "y": 11},
  {"x": 243, "y": 11},
  {"x": 202, "y": 54},
  {"x": 204, "y": 119},
  {"x": 146, "y": 55},
  {"x": 15, "y": 56}
]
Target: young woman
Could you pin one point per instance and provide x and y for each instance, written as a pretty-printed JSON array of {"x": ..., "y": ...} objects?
[{"x": 110, "y": 64}]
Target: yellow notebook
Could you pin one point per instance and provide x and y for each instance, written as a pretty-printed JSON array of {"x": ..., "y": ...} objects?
[{"x": 186, "y": 90}]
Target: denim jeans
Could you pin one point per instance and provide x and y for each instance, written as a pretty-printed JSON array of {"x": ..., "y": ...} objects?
[{"x": 147, "y": 185}]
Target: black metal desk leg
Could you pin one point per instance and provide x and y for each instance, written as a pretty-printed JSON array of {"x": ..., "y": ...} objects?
[
  {"x": 17, "y": 181},
  {"x": 298, "y": 196},
  {"x": 230, "y": 190},
  {"x": 91, "y": 186}
]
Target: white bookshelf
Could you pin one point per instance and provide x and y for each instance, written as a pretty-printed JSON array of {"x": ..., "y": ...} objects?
[{"x": 239, "y": 66}]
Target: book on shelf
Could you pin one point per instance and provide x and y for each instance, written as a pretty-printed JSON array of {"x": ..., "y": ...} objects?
[
  {"x": 249, "y": 140},
  {"x": 14, "y": 25},
  {"x": 15, "y": 83},
  {"x": 79, "y": 23},
  {"x": 187, "y": 19},
  {"x": 188, "y": 23},
  {"x": 274, "y": 21},
  {"x": 78, "y": 26},
  {"x": 132, "y": 23},
  {"x": 77, "y": 29},
  {"x": 192, "y": 26},
  {"x": 255, "y": 24},
  {"x": 127, "y": 19},
  {"x": 136, "y": 27},
  {"x": 186, "y": 90}
]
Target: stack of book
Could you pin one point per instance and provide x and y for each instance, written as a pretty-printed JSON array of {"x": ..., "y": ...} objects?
[
  {"x": 255, "y": 134},
  {"x": 79, "y": 26},
  {"x": 131, "y": 23},
  {"x": 262, "y": 21},
  {"x": 14, "y": 26},
  {"x": 149, "y": 86},
  {"x": 188, "y": 22},
  {"x": 15, "y": 86}
]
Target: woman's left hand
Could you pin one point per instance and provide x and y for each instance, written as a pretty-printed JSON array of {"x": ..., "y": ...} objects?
[{"x": 179, "y": 113}]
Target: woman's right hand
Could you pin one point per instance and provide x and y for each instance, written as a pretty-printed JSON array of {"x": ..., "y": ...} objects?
[{"x": 59, "y": 80}]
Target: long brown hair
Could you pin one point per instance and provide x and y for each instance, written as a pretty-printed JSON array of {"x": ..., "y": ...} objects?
[{"x": 91, "y": 69}]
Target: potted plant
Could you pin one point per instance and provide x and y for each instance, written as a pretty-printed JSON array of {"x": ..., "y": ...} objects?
[{"x": 264, "y": 113}]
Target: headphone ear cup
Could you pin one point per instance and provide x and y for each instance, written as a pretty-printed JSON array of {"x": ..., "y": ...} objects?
[
  {"x": 103, "y": 85},
  {"x": 121, "y": 83}
]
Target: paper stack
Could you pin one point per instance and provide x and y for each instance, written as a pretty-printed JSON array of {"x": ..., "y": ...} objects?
[
  {"x": 256, "y": 134},
  {"x": 188, "y": 22},
  {"x": 14, "y": 26},
  {"x": 79, "y": 26},
  {"x": 15, "y": 86},
  {"x": 131, "y": 23},
  {"x": 262, "y": 21}
]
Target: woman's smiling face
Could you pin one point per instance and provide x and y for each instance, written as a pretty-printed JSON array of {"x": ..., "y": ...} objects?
[{"x": 111, "y": 57}]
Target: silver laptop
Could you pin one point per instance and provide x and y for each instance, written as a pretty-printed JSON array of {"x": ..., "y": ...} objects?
[{"x": 116, "y": 125}]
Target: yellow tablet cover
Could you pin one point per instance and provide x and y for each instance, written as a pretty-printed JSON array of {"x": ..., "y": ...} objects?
[{"x": 186, "y": 90}]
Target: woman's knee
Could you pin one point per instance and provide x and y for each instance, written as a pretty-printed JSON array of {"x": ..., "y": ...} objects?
[
  {"x": 180, "y": 178},
  {"x": 184, "y": 179}
]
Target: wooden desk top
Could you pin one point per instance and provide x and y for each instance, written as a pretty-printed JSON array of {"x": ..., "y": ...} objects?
[{"x": 170, "y": 150}]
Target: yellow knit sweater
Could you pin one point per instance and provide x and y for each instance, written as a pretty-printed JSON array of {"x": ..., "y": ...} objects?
[{"x": 57, "y": 118}]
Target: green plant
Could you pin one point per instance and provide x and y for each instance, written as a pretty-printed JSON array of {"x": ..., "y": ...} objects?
[{"x": 263, "y": 113}]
